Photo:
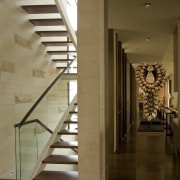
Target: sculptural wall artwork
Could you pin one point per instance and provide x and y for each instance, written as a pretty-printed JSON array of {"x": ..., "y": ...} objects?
[{"x": 151, "y": 79}]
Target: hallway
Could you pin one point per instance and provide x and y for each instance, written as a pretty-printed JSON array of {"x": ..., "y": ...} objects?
[{"x": 144, "y": 157}]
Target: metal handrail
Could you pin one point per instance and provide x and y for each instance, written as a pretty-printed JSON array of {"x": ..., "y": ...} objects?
[
  {"x": 22, "y": 122},
  {"x": 35, "y": 121}
]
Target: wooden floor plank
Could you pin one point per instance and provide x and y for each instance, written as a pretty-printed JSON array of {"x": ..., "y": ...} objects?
[
  {"x": 144, "y": 157},
  {"x": 57, "y": 175}
]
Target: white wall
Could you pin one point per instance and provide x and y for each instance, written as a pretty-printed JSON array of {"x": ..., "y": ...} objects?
[
  {"x": 168, "y": 63},
  {"x": 25, "y": 71}
]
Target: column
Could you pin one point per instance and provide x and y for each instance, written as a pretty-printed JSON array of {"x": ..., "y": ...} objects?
[{"x": 91, "y": 89}]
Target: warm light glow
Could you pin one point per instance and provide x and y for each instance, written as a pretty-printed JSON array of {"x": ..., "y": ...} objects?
[
  {"x": 147, "y": 39},
  {"x": 147, "y": 5},
  {"x": 72, "y": 13}
]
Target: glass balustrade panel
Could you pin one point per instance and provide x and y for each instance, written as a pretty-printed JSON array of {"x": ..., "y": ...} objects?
[
  {"x": 30, "y": 141},
  {"x": 32, "y": 138},
  {"x": 51, "y": 108}
]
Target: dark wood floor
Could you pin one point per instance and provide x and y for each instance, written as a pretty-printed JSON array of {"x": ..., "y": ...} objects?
[{"x": 144, "y": 157}]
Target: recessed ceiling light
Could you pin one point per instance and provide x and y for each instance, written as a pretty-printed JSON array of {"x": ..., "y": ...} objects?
[
  {"x": 147, "y": 5},
  {"x": 147, "y": 39}
]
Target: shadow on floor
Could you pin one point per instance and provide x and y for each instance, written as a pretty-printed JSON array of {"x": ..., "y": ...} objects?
[{"x": 144, "y": 157}]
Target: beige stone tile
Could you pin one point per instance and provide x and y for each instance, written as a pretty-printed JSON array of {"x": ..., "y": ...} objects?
[
  {"x": 7, "y": 87},
  {"x": 8, "y": 77},
  {"x": 38, "y": 73},
  {"x": 90, "y": 135},
  {"x": 92, "y": 151},
  {"x": 8, "y": 46},
  {"x": 7, "y": 66},
  {"x": 6, "y": 99},
  {"x": 6, "y": 113},
  {"x": 7, "y": 155},
  {"x": 23, "y": 75},
  {"x": 39, "y": 82},
  {"x": 93, "y": 38},
  {"x": 89, "y": 14},
  {"x": 89, "y": 85},
  {"x": 88, "y": 53},
  {"x": 21, "y": 109},
  {"x": 23, "y": 42},
  {"x": 90, "y": 6},
  {"x": 90, "y": 166},
  {"x": 89, "y": 69},
  {"x": 23, "y": 98}
]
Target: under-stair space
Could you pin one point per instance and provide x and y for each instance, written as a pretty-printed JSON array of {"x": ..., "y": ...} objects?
[{"x": 61, "y": 163}]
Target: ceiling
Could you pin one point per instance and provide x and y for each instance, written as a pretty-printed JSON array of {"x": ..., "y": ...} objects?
[{"x": 135, "y": 23}]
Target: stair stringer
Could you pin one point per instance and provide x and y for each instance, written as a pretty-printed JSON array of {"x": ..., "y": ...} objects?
[
  {"x": 62, "y": 11},
  {"x": 54, "y": 137}
]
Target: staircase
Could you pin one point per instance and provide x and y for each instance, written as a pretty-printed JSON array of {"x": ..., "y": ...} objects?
[
  {"x": 58, "y": 156},
  {"x": 56, "y": 36},
  {"x": 52, "y": 30}
]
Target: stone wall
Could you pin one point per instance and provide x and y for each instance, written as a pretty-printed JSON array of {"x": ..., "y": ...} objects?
[
  {"x": 91, "y": 91},
  {"x": 25, "y": 71}
]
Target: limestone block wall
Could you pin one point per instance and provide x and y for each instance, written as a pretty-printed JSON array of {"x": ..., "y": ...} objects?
[
  {"x": 91, "y": 89},
  {"x": 25, "y": 71}
]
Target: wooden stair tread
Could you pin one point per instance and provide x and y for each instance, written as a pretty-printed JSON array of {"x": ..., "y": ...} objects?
[
  {"x": 51, "y": 33},
  {"x": 61, "y": 52},
  {"x": 65, "y": 144},
  {"x": 57, "y": 175},
  {"x": 73, "y": 112},
  {"x": 69, "y": 121},
  {"x": 62, "y": 67},
  {"x": 47, "y": 22},
  {"x": 57, "y": 43},
  {"x": 61, "y": 159},
  {"x": 68, "y": 132},
  {"x": 40, "y": 9},
  {"x": 62, "y": 60}
]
